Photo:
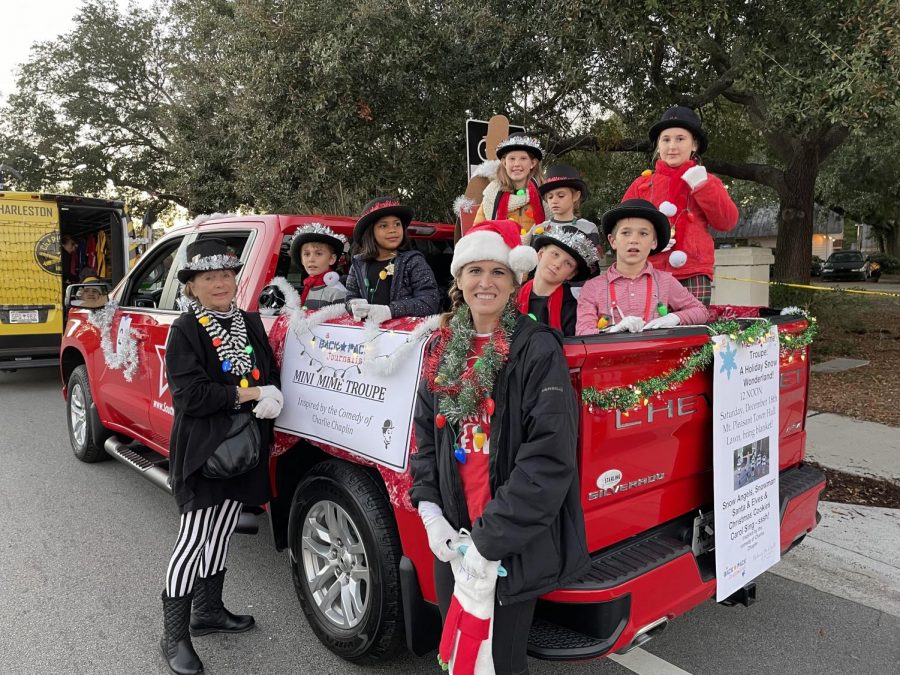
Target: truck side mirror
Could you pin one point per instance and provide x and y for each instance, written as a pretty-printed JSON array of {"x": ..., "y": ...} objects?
[
  {"x": 87, "y": 296},
  {"x": 271, "y": 299}
]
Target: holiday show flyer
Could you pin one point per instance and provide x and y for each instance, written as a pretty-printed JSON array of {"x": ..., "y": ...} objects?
[
  {"x": 745, "y": 459},
  {"x": 332, "y": 397}
]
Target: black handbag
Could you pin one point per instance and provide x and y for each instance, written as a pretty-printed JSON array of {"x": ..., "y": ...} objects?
[{"x": 239, "y": 452}]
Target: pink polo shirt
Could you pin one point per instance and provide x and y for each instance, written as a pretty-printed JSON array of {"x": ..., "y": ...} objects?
[{"x": 631, "y": 298}]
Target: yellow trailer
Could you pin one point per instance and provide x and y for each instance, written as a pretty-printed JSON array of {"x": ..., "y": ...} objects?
[{"x": 35, "y": 267}]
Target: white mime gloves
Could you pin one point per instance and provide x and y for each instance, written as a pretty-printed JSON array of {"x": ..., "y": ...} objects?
[
  {"x": 667, "y": 321},
  {"x": 695, "y": 176},
  {"x": 631, "y": 324},
  {"x": 379, "y": 313},
  {"x": 442, "y": 538}
]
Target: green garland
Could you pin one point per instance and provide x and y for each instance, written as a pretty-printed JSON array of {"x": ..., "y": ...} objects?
[
  {"x": 634, "y": 395},
  {"x": 461, "y": 394}
]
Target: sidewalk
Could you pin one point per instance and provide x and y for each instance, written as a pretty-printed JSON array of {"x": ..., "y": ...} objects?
[
  {"x": 852, "y": 446},
  {"x": 852, "y": 553}
]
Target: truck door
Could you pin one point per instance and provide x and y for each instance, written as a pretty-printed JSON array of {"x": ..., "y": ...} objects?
[{"x": 141, "y": 309}]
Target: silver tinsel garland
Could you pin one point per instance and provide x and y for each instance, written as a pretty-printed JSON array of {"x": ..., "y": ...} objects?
[{"x": 125, "y": 358}]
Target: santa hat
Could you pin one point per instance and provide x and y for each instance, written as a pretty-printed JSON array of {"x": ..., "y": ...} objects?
[{"x": 496, "y": 240}]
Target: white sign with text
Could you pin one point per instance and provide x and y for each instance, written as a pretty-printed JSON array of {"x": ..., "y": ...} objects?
[
  {"x": 329, "y": 395},
  {"x": 745, "y": 460}
]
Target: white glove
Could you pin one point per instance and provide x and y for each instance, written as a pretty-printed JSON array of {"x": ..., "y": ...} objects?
[
  {"x": 475, "y": 565},
  {"x": 669, "y": 245},
  {"x": 270, "y": 402},
  {"x": 271, "y": 391},
  {"x": 267, "y": 408},
  {"x": 632, "y": 324},
  {"x": 668, "y": 321},
  {"x": 379, "y": 313},
  {"x": 694, "y": 176},
  {"x": 359, "y": 308},
  {"x": 442, "y": 538}
]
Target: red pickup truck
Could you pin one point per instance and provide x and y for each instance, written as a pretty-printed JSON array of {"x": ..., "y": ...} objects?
[{"x": 364, "y": 578}]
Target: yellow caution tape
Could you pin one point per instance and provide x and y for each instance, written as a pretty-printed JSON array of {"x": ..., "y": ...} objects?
[{"x": 812, "y": 288}]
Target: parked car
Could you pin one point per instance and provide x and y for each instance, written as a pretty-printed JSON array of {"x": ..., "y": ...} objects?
[{"x": 846, "y": 265}]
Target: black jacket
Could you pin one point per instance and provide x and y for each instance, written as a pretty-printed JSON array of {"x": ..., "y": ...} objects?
[
  {"x": 203, "y": 398},
  {"x": 534, "y": 523},
  {"x": 414, "y": 291}
]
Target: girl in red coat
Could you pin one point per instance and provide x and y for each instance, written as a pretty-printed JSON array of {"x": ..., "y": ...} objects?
[{"x": 692, "y": 199}]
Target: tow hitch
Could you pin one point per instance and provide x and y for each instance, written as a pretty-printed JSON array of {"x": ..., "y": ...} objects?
[{"x": 745, "y": 596}]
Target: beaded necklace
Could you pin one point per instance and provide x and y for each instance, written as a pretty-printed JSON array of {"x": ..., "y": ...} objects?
[{"x": 232, "y": 346}]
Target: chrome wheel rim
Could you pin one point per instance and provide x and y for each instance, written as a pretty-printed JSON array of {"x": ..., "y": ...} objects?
[
  {"x": 335, "y": 565},
  {"x": 78, "y": 415}
]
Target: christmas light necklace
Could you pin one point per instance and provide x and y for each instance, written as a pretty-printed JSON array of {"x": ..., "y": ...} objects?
[{"x": 232, "y": 347}]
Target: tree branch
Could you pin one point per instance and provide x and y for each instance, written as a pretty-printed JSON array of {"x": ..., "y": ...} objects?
[
  {"x": 758, "y": 173},
  {"x": 561, "y": 146},
  {"x": 831, "y": 139}
]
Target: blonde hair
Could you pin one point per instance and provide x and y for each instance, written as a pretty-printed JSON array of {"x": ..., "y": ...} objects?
[{"x": 506, "y": 183}]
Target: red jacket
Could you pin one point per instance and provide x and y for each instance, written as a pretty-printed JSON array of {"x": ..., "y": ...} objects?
[{"x": 708, "y": 205}]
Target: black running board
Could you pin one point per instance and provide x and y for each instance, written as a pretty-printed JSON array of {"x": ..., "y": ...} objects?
[{"x": 153, "y": 466}]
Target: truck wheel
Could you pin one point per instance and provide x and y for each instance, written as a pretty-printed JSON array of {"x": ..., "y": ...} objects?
[
  {"x": 86, "y": 438},
  {"x": 345, "y": 561}
]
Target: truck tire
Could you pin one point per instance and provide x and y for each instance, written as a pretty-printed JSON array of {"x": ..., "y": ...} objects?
[
  {"x": 345, "y": 561},
  {"x": 85, "y": 432}
]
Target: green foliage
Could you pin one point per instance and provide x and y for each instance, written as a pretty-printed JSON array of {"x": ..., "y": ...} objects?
[{"x": 889, "y": 264}]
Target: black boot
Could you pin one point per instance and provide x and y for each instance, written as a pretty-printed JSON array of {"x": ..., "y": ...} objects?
[
  {"x": 210, "y": 615},
  {"x": 176, "y": 641}
]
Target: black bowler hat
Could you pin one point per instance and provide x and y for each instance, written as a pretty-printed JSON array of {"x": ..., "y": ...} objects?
[
  {"x": 639, "y": 208},
  {"x": 319, "y": 233},
  {"x": 379, "y": 208},
  {"x": 205, "y": 255},
  {"x": 681, "y": 117},
  {"x": 520, "y": 141},
  {"x": 563, "y": 175}
]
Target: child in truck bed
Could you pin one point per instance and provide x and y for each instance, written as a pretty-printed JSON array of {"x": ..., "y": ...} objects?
[
  {"x": 387, "y": 278},
  {"x": 633, "y": 296},
  {"x": 316, "y": 248},
  {"x": 562, "y": 257}
]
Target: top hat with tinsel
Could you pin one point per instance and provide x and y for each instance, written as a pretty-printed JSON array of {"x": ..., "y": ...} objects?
[
  {"x": 316, "y": 232},
  {"x": 379, "y": 208},
  {"x": 520, "y": 141},
  {"x": 575, "y": 244},
  {"x": 496, "y": 240},
  {"x": 680, "y": 117},
  {"x": 563, "y": 175},
  {"x": 206, "y": 255},
  {"x": 639, "y": 208}
]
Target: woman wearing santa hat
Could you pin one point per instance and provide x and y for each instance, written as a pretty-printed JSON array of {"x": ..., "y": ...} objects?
[
  {"x": 693, "y": 200},
  {"x": 494, "y": 477}
]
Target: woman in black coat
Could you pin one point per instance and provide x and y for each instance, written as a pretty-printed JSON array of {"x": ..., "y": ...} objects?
[
  {"x": 496, "y": 425},
  {"x": 218, "y": 363}
]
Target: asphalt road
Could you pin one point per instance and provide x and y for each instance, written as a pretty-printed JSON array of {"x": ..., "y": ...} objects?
[{"x": 83, "y": 550}]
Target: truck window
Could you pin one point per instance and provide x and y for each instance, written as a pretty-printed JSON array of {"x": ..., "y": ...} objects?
[{"x": 145, "y": 287}]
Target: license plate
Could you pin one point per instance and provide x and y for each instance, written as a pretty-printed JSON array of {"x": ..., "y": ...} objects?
[
  {"x": 23, "y": 316},
  {"x": 704, "y": 538}
]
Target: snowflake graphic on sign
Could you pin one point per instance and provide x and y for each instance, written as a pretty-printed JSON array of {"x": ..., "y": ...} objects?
[{"x": 728, "y": 364}]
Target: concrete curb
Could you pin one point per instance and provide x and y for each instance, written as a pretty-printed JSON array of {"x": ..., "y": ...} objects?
[{"x": 853, "y": 446}]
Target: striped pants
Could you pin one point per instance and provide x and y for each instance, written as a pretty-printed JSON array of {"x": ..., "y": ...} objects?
[{"x": 202, "y": 546}]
